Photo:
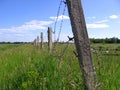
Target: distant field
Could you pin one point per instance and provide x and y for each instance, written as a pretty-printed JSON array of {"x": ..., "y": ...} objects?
[{"x": 24, "y": 67}]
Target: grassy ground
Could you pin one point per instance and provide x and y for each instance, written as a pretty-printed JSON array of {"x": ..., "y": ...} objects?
[{"x": 24, "y": 67}]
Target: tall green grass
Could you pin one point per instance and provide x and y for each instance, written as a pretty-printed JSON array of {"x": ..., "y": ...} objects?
[{"x": 24, "y": 67}]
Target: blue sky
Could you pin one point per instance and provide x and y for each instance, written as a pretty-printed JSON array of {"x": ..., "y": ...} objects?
[{"x": 24, "y": 20}]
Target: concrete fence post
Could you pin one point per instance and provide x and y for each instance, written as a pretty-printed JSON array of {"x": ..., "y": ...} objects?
[
  {"x": 41, "y": 44},
  {"x": 49, "y": 39}
]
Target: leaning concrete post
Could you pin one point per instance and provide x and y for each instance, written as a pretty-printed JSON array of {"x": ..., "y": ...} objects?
[
  {"x": 82, "y": 44},
  {"x": 49, "y": 39},
  {"x": 41, "y": 35}
]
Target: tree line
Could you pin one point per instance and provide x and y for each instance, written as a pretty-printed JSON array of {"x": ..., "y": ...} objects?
[
  {"x": 92, "y": 40},
  {"x": 106, "y": 40},
  {"x": 14, "y": 42}
]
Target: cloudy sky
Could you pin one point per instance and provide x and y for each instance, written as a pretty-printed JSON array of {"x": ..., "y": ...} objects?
[{"x": 24, "y": 20}]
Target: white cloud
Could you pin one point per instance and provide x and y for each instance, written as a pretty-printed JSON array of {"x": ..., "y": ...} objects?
[
  {"x": 113, "y": 16},
  {"x": 94, "y": 25},
  {"x": 91, "y": 17},
  {"x": 23, "y": 31},
  {"x": 59, "y": 17},
  {"x": 27, "y": 26},
  {"x": 103, "y": 21},
  {"x": 25, "y": 35},
  {"x": 32, "y": 25}
]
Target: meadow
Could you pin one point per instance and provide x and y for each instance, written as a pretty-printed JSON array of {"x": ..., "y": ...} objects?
[{"x": 25, "y": 67}]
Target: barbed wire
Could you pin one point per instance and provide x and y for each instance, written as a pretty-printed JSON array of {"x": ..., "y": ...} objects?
[
  {"x": 60, "y": 55},
  {"x": 57, "y": 16},
  {"x": 61, "y": 24}
]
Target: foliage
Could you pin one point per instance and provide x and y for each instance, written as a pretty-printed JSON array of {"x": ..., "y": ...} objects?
[{"x": 106, "y": 40}]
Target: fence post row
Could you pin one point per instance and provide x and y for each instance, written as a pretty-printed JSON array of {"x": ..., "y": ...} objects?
[
  {"x": 82, "y": 44},
  {"x": 49, "y": 39}
]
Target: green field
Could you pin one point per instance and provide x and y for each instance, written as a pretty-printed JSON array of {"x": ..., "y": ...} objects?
[{"x": 24, "y": 67}]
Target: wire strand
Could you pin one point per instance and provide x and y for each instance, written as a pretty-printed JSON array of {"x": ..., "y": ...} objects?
[
  {"x": 61, "y": 24},
  {"x": 57, "y": 16}
]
